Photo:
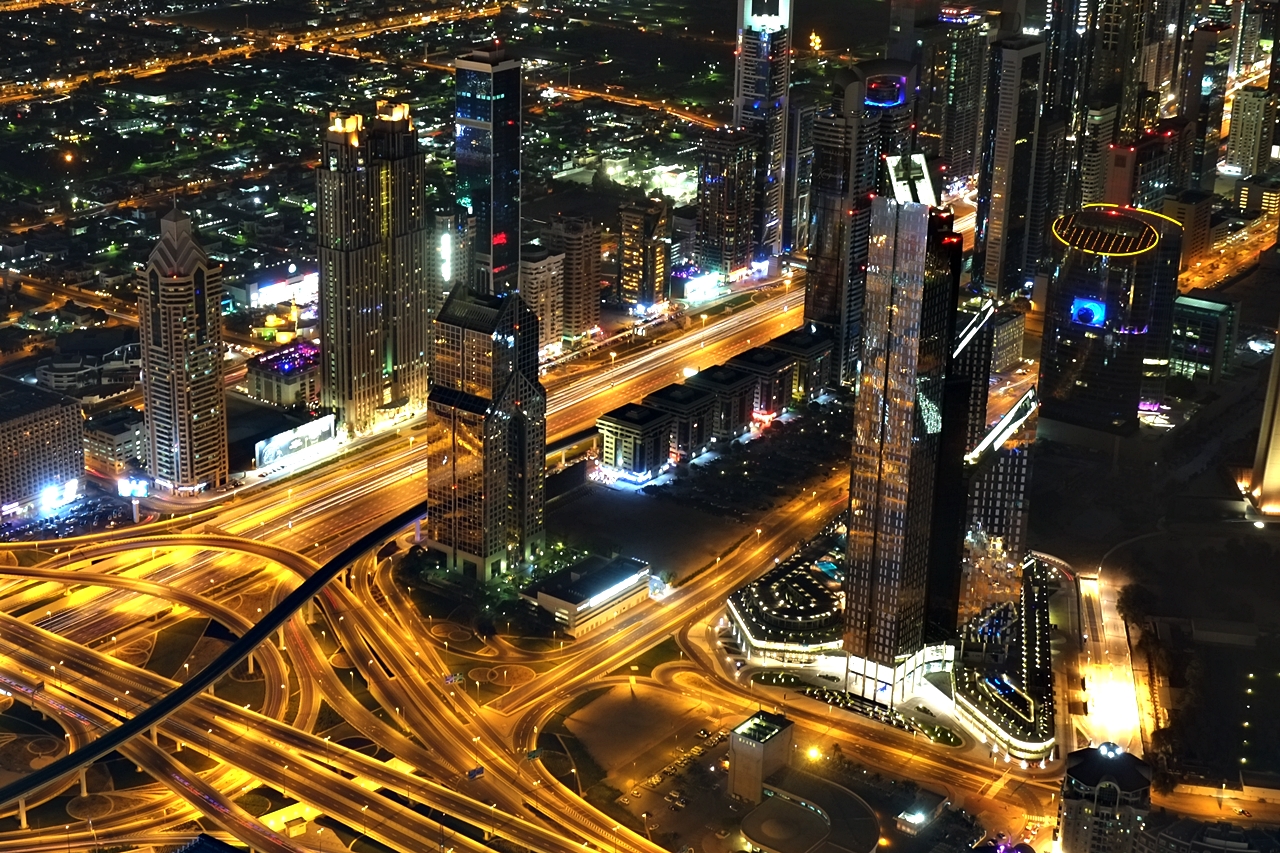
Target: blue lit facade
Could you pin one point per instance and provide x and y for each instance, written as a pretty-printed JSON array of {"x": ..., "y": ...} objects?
[{"x": 487, "y": 149}]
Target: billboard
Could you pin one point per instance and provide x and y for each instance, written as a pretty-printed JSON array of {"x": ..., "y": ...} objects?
[
  {"x": 1088, "y": 312},
  {"x": 291, "y": 441}
]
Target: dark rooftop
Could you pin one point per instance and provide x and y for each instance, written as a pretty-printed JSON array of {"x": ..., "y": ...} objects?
[
  {"x": 677, "y": 395},
  {"x": 720, "y": 378},
  {"x": 805, "y": 339},
  {"x": 1091, "y": 766},
  {"x": 635, "y": 414},
  {"x": 761, "y": 358},
  {"x": 473, "y": 311},
  {"x": 115, "y": 421},
  {"x": 19, "y": 398},
  {"x": 588, "y": 578}
]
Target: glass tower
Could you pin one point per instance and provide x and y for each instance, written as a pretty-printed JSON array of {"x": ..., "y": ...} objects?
[
  {"x": 487, "y": 149},
  {"x": 762, "y": 85}
]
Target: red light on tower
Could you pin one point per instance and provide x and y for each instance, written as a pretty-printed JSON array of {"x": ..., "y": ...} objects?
[{"x": 500, "y": 239}]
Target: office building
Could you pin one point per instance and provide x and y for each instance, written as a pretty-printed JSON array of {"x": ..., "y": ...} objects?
[
  {"x": 591, "y": 592},
  {"x": 578, "y": 239},
  {"x": 487, "y": 93},
  {"x": 1194, "y": 209},
  {"x": 374, "y": 233},
  {"x": 635, "y": 441},
  {"x": 1010, "y": 328},
  {"x": 644, "y": 252},
  {"x": 1259, "y": 192},
  {"x": 542, "y": 286},
  {"x": 811, "y": 348},
  {"x": 287, "y": 376},
  {"x": 797, "y": 196},
  {"x": 1253, "y": 120},
  {"x": 952, "y": 61},
  {"x": 116, "y": 442},
  {"x": 774, "y": 371},
  {"x": 488, "y": 434},
  {"x": 1206, "y": 328},
  {"x": 1179, "y": 134},
  {"x": 1204, "y": 98},
  {"x": 42, "y": 433},
  {"x": 1108, "y": 318},
  {"x": 870, "y": 117},
  {"x": 910, "y": 314},
  {"x": 1139, "y": 174},
  {"x": 1006, "y": 248},
  {"x": 1106, "y": 797},
  {"x": 1095, "y": 152},
  {"x": 735, "y": 392},
  {"x": 758, "y": 747},
  {"x": 180, "y": 318},
  {"x": 762, "y": 87},
  {"x": 693, "y": 412},
  {"x": 725, "y": 242}
]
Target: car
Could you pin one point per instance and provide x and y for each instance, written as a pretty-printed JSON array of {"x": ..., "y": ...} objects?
[
  {"x": 697, "y": 750},
  {"x": 1244, "y": 813},
  {"x": 626, "y": 801},
  {"x": 703, "y": 733},
  {"x": 675, "y": 807},
  {"x": 636, "y": 792},
  {"x": 682, "y": 802}
]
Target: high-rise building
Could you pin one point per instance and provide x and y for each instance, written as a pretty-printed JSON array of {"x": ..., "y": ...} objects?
[
  {"x": 180, "y": 319},
  {"x": 1095, "y": 152},
  {"x": 797, "y": 200},
  {"x": 1005, "y": 248},
  {"x": 487, "y": 91},
  {"x": 1264, "y": 481},
  {"x": 1106, "y": 797},
  {"x": 42, "y": 433},
  {"x": 542, "y": 286},
  {"x": 1115, "y": 70},
  {"x": 1204, "y": 97},
  {"x": 1194, "y": 209},
  {"x": 1139, "y": 174},
  {"x": 1206, "y": 328},
  {"x": 1108, "y": 317},
  {"x": 952, "y": 62},
  {"x": 762, "y": 86},
  {"x": 373, "y": 234},
  {"x": 870, "y": 117},
  {"x": 726, "y": 199},
  {"x": 451, "y": 261},
  {"x": 644, "y": 252},
  {"x": 488, "y": 434},
  {"x": 578, "y": 239},
  {"x": 1253, "y": 120},
  {"x": 910, "y": 307}
]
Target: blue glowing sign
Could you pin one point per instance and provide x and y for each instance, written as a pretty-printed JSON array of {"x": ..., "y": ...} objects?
[
  {"x": 1088, "y": 312},
  {"x": 886, "y": 91}
]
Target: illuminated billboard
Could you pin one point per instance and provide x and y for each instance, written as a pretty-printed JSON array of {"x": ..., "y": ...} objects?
[
  {"x": 1088, "y": 312},
  {"x": 291, "y": 441}
]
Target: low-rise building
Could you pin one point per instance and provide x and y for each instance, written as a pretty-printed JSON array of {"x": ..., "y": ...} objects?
[
  {"x": 41, "y": 448},
  {"x": 758, "y": 746},
  {"x": 635, "y": 441},
  {"x": 775, "y": 373},
  {"x": 735, "y": 392},
  {"x": 115, "y": 442},
  {"x": 1259, "y": 192},
  {"x": 1205, "y": 331},
  {"x": 287, "y": 376},
  {"x": 693, "y": 413},
  {"x": 591, "y": 592},
  {"x": 810, "y": 346},
  {"x": 1187, "y": 835}
]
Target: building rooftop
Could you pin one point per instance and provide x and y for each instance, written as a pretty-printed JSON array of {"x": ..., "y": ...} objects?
[
  {"x": 721, "y": 378},
  {"x": 761, "y": 358},
  {"x": 289, "y": 359},
  {"x": 593, "y": 580},
  {"x": 676, "y": 395},
  {"x": 807, "y": 340},
  {"x": 115, "y": 422},
  {"x": 634, "y": 414},
  {"x": 781, "y": 825},
  {"x": 1090, "y": 767},
  {"x": 1208, "y": 303},
  {"x": 762, "y": 726},
  {"x": 19, "y": 398},
  {"x": 474, "y": 311}
]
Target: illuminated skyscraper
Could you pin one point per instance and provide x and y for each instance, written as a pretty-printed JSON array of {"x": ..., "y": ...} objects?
[
  {"x": 487, "y": 430},
  {"x": 1109, "y": 317},
  {"x": 487, "y": 90},
  {"x": 953, "y": 61},
  {"x": 1204, "y": 97},
  {"x": 796, "y": 204},
  {"x": 180, "y": 315},
  {"x": 910, "y": 308},
  {"x": 644, "y": 252},
  {"x": 1005, "y": 248},
  {"x": 1253, "y": 120},
  {"x": 762, "y": 85},
  {"x": 870, "y": 117},
  {"x": 726, "y": 199},
  {"x": 578, "y": 239},
  {"x": 374, "y": 232}
]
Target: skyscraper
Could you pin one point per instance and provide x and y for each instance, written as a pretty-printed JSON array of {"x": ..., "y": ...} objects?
[
  {"x": 1253, "y": 120},
  {"x": 1204, "y": 97},
  {"x": 644, "y": 252},
  {"x": 910, "y": 307},
  {"x": 542, "y": 286},
  {"x": 488, "y": 434},
  {"x": 487, "y": 147},
  {"x": 373, "y": 231},
  {"x": 1106, "y": 796},
  {"x": 1108, "y": 317},
  {"x": 1005, "y": 249},
  {"x": 180, "y": 315},
  {"x": 952, "y": 63},
  {"x": 1264, "y": 481},
  {"x": 726, "y": 199},
  {"x": 762, "y": 85},
  {"x": 797, "y": 201},
  {"x": 578, "y": 239},
  {"x": 870, "y": 117}
]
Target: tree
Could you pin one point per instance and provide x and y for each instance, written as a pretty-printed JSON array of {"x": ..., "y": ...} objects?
[{"x": 1136, "y": 603}]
